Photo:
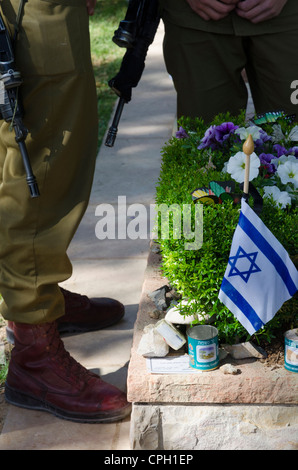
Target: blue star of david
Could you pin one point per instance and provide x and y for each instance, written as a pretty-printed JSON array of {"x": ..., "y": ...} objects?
[{"x": 242, "y": 270}]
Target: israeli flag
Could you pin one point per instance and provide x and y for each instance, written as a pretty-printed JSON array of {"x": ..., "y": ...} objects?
[{"x": 260, "y": 275}]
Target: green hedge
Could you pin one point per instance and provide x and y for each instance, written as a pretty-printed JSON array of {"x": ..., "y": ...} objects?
[{"x": 197, "y": 274}]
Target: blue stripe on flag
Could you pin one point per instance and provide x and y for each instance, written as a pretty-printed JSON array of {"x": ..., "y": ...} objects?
[
  {"x": 268, "y": 251},
  {"x": 241, "y": 304}
]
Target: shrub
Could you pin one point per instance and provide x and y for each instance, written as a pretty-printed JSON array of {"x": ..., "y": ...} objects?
[{"x": 197, "y": 274}]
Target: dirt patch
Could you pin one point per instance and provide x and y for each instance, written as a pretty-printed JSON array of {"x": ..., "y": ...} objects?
[{"x": 275, "y": 352}]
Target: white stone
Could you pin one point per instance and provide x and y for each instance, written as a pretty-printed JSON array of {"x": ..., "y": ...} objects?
[
  {"x": 152, "y": 343},
  {"x": 174, "y": 316},
  {"x": 229, "y": 369}
]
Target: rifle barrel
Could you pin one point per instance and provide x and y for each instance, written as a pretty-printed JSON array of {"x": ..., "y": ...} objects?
[
  {"x": 112, "y": 133},
  {"x": 30, "y": 178}
]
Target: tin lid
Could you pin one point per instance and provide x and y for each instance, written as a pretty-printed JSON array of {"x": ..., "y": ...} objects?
[
  {"x": 202, "y": 332},
  {"x": 292, "y": 334}
]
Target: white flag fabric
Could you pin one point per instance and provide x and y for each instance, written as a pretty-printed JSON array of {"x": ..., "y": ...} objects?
[{"x": 260, "y": 275}]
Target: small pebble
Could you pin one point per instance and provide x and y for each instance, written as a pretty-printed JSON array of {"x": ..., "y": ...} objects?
[{"x": 229, "y": 369}]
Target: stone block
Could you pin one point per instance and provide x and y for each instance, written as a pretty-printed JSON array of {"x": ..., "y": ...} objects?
[
  {"x": 255, "y": 383},
  {"x": 253, "y": 409},
  {"x": 214, "y": 427}
]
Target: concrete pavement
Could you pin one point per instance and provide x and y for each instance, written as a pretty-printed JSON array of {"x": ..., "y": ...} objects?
[{"x": 110, "y": 267}]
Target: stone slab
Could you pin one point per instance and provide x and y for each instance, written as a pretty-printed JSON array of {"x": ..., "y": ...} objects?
[
  {"x": 254, "y": 384},
  {"x": 214, "y": 427}
]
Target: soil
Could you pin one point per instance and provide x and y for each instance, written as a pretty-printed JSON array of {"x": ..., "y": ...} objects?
[
  {"x": 275, "y": 353},
  {"x": 274, "y": 350}
]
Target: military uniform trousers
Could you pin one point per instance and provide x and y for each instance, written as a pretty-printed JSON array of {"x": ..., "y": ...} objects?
[
  {"x": 59, "y": 98},
  {"x": 206, "y": 70}
]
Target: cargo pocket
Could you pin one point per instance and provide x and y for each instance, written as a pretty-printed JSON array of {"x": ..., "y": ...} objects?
[{"x": 50, "y": 38}]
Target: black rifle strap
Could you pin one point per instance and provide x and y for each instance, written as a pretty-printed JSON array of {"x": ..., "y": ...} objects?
[{"x": 18, "y": 20}]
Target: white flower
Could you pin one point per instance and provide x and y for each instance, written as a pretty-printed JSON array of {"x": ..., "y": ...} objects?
[
  {"x": 224, "y": 169},
  {"x": 279, "y": 197},
  {"x": 287, "y": 158},
  {"x": 293, "y": 135},
  {"x": 283, "y": 159},
  {"x": 277, "y": 134},
  {"x": 244, "y": 132},
  {"x": 236, "y": 166},
  {"x": 288, "y": 172}
]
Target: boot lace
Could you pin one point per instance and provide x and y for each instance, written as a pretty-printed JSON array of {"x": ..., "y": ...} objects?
[
  {"x": 73, "y": 300},
  {"x": 72, "y": 369}
]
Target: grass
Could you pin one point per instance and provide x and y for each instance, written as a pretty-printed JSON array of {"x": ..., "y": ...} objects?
[
  {"x": 106, "y": 59},
  {"x": 106, "y": 56},
  {"x": 3, "y": 372}
]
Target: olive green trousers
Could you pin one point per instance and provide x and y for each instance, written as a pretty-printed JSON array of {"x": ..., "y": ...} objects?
[
  {"x": 206, "y": 71},
  {"x": 59, "y": 98}
]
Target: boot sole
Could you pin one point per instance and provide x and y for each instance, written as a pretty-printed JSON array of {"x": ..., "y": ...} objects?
[
  {"x": 73, "y": 328},
  {"x": 24, "y": 400}
]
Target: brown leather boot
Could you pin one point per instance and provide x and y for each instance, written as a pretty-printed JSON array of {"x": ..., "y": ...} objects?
[
  {"x": 83, "y": 314},
  {"x": 43, "y": 376}
]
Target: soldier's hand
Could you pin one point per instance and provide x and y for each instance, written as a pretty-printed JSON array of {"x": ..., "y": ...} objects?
[
  {"x": 212, "y": 9},
  {"x": 259, "y": 10}
]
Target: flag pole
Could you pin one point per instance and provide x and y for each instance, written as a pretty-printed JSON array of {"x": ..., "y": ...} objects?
[{"x": 248, "y": 148}]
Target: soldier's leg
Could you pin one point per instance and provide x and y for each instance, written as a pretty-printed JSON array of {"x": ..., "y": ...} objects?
[
  {"x": 60, "y": 103},
  {"x": 272, "y": 67},
  {"x": 60, "y": 112},
  {"x": 206, "y": 71}
]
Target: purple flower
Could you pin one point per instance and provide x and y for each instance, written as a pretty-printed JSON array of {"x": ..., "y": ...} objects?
[
  {"x": 264, "y": 137},
  {"x": 265, "y": 159},
  {"x": 224, "y": 131},
  {"x": 293, "y": 151},
  {"x": 181, "y": 133},
  {"x": 280, "y": 150},
  {"x": 215, "y": 136},
  {"x": 208, "y": 139}
]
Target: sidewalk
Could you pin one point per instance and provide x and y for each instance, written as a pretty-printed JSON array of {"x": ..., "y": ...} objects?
[{"x": 110, "y": 268}]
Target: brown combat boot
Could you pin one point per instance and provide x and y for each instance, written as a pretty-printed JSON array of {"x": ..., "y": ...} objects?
[
  {"x": 43, "y": 376},
  {"x": 83, "y": 314}
]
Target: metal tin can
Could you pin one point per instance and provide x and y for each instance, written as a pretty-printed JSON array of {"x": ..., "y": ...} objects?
[
  {"x": 291, "y": 350},
  {"x": 203, "y": 347}
]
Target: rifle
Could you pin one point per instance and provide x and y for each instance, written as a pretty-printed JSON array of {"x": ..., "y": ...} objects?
[
  {"x": 135, "y": 33},
  {"x": 10, "y": 109}
]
